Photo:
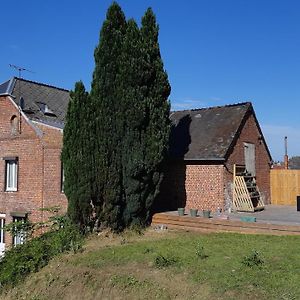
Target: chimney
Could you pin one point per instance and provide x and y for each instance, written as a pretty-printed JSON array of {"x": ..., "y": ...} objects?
[{"x": 286, "y": 157}]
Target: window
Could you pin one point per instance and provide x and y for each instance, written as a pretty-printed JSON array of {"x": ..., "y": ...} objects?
[
  {"x": 11, "y": 180},
  {"x": 2, "y": 236},
  {"x": 14, "y": 125},
  {"x": 19, "y": 232}
]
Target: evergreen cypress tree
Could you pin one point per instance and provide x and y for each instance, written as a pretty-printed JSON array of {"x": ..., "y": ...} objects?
[
  {"x": 115, "y": 140},
  {"x": 108, "y": 121},
  {"x": 156, "y": 138},
  {"x": 134, "y": 112},
  {"x": 76, "y": 156},
  {"x": 147, "y": 128}
]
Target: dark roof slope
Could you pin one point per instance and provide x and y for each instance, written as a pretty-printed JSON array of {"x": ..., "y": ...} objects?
[
  {"x": 208, "y": 133},
  {"x": 6, "y": 87},
  {"x": 42, "y": 103}
]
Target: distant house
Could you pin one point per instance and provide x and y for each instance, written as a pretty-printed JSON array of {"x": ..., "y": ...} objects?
[
  {"x": 31, "y": 124},
  {"x": 205, "y": 145}
]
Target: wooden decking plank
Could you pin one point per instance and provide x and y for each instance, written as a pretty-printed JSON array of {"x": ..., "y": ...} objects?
[{"x": 222, "y": 225}]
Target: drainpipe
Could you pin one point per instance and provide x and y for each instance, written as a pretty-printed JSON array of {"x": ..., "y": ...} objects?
[{"x": 43, "y": 182}]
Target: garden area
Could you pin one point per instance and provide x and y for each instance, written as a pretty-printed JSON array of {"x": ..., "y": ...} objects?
[{"x": 166, "y": 264}]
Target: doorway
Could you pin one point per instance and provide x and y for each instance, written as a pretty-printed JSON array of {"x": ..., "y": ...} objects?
[
  {"x": 249, "y": 151},
  {"x": 2, "y": 234}
]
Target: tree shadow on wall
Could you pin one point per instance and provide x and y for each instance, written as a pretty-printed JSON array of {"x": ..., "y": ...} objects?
[{"x": 172, "y": 190}]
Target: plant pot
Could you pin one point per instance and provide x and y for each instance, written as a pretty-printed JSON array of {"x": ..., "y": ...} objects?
[
  {"x": 181, "y": 211},
  {"x": 206, "y": 213},
  {"x": 193, "y": 212}
]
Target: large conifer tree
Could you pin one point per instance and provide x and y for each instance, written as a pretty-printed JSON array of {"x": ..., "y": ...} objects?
[
  {"x": 107, "y": 103},
  {"x": 76, "y": 158},
  {"x": 158, "y": 110},
  {"x": 148, "y": 125},
  {"x": 115, "y": 146}
]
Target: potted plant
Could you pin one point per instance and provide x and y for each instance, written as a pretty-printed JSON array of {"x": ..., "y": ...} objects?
[
  {"x": 206, "y": 213},
  {"x": 181, "y": 211},
  {"x": 193, "y": 212}
]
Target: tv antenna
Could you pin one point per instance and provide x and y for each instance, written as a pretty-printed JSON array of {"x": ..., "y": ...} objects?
[{"x": 20, "y": 69}]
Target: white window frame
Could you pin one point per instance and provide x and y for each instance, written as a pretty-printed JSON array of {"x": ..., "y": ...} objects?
[
  {"x": 2, "y": 234},
  {"x": 2, "y": 231},
  {"x": 11, "y": 170},
  {"x": 19, "y": 237}
]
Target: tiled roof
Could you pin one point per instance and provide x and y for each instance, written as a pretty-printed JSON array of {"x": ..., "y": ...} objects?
[
  {"x": 208, "y": 133},
  {"x": 42, "y": 103},
  {"x": 6, "y": 87}
]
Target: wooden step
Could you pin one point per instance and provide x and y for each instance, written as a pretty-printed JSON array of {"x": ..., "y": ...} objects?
[{"x": 173, "y": 221}]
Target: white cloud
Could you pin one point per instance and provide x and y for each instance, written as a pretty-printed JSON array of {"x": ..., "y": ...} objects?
[
  {"x": 275, "y": 134},
  {"x": 187, "y": 104}
]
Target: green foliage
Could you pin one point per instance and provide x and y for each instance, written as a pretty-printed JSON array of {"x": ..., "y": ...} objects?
[
  {"x": 124, "y": 281},
  {"x": 129, "y": 95},
  {"x": 108, "y": 121},
  {"x": 200, "y": 252},
  {"x": 132, "y": 283},
  {"x": 147, "y": 124},
  {"x": 77, "y": 156},
  {"x": 163, "y": 261},
  {"x": 26, "y": 228},
  {"x": 116, "y": 138},
  {"x": 24, "y": 259},
  {"x": 254, "y": 259}
]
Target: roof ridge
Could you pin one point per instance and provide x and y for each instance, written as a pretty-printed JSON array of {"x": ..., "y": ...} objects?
[
  {"x": 212, "y": 107},
  {"x": 40, "y": 83}
]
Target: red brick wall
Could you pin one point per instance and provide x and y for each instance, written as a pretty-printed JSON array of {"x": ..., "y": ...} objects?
[
  {"x": 205, "y": 186},
  {"x": 191, "y": 185},
  {"x": 251, "y": 134},
  {"x": 39, "y": 167}
]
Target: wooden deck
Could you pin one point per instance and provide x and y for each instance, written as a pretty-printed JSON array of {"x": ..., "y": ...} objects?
[{"x": 173, "y": 221}]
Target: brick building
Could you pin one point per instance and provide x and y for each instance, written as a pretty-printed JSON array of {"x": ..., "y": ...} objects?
[
  {"x": 31, "y": 124},
  {"x": 205, "y": 145}
]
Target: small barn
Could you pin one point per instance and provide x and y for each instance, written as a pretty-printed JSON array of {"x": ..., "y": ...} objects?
[{"x": 210, "y": 150}]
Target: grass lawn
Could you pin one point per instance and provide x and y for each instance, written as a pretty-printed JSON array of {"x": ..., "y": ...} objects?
[{"x": 171, "y": 265}]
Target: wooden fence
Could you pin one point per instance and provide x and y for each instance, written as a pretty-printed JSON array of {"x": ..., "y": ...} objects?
[{"x": 285, "y": 186}]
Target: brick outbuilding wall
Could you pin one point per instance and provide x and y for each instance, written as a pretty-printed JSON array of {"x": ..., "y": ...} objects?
[
  {"x": 204, "y": 186},
  {"x": 251, "y": 134},
  {"x": 191, "y": 185}
]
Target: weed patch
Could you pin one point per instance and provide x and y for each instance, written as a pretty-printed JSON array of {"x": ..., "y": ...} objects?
[
  {"x": 162, "y": 261},
  {"x": 254, "y": 259},
  {"x": 200, "y": 252}
]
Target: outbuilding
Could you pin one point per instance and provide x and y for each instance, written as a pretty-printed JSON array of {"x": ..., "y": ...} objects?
[{"x": 208, "y": 148}]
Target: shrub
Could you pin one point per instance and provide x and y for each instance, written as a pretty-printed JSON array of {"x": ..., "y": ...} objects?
[
  {"x": 30, "y": 257},
  {"x": 200, "y": 251},
  {"x": 253, "y": 259},
  {"x": 164, "y": 261}
]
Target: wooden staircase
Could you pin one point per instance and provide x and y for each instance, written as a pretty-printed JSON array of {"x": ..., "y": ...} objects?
[{"x": 246, "y": 195}]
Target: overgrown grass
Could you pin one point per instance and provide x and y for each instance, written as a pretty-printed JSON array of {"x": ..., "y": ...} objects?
[
  {"x": 172, "y": 265},
  {"x": 30, "y": 257},
  {"x": 228, "y": 267}
]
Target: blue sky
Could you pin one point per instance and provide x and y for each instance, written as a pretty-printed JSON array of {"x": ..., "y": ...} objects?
[{"x": 215, "y": 52}]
